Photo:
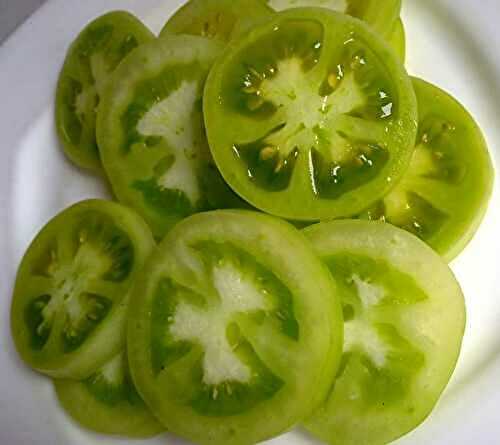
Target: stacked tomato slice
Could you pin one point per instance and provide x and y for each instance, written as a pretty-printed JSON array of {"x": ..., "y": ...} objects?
[{"x": 242, "y": 121}]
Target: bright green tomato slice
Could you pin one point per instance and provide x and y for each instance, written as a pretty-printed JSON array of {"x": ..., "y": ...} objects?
[
  {"x": 310, "y": 116},
  {"x": 216, "y": 19},
  {"x": 71, "y": 292},
  {"x": 445, "y": 192},
  {"x": 107, "y": 402},
  {"x": 404, "y": 321},
  {"x": 151, "y": 132},
  {"x": 379, "y": 14},
  {"x": 91, "y": 59},
  {"x": 397, "y": 40},
  {"x": 235, "y": 332}
]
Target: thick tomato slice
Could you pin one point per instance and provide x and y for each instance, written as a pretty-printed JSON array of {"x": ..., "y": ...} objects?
[
  {"x": 71, "y": 293},
  {"x": 310, "y": 116},
  {"x": 444, "y": 194},
  {"x": 234, "y": 331},
  {"x": 91, "y": 59},
  {"x": 216, "y": 19},
  {"x": 151, "y": 132},
  {"x": 107, "y": 402},
  {"x": 404, "y": 318}
]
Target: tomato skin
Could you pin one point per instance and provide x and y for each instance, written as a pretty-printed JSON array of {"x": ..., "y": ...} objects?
[
  {"x": 121, "y": 413},
  {"x": 307, "y": 201},
  {"x": 82, "y": 80},
  {"x": 260, "y": 236},
  {"x": 50, "y": 272},
  {"x": 375, "y": 404}
]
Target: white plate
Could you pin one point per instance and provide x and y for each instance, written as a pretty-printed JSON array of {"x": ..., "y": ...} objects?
[{"x": 450, "y": 43}]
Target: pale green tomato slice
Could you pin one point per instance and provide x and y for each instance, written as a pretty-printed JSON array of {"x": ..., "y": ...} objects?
[
  {"x": 151, "y": 133},
  {"x": 108, "y": 403},
  {"x": 404, "y": 318},
  {"x": 379, "y": 14},
  {"x": 71, "y": 293},
  {"x": 235, "y": 330},
  {"x": 222, "y": 20},
  {"x": 445, "y": 192},
  {"x": 92, "y": 57},
  {"x": 310, "y": 116}
]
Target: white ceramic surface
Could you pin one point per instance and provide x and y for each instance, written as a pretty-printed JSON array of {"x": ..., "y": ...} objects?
[{"x": 450, "y": 43}]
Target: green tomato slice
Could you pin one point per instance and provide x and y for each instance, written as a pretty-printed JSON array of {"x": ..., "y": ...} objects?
[
  {"x": 151, "y": 132},
  {"x": 69, "y": 305},
  {"x": 310, "y": 116},
  {"x": 444, "y": 194},
  {"x": 404, "y": 322},
  {"x": 92, "y": 57},
  {"x": 108, "y": 403},
  {"x": 222, "y": 20},
  {"x": 379, "y": 14},
  {"x": 233, "y": 321}
]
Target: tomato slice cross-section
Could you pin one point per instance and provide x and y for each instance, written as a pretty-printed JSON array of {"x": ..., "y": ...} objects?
[
  {"x": 233, "y": 321},
  {"x": 71, "y": 292},
  {"x": 310, "y": 116}
]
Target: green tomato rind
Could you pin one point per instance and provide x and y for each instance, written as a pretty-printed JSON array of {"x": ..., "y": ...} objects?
[
  {"x": 429, "y": 317},
  {"x": 450, "y": 178},
  {"x": 107, "y": 408},
  {"x": 397, "y": 40},
  {"x": 304, "y": 367},
  {"x": 301, "y": 198},
  {"x": 222, "y": 20},
  {"x": 151, "y": 133},
  {"x": 89, "y": 62},
  {"x": 57, "y": 264}
]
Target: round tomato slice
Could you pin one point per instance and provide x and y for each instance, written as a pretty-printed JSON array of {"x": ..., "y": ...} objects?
[
  {"x": 107, "y": 402},
  {"x": 404, "y": 322},
  {"x": 151, "y": 133},
  {"x": 91, "y": 59},
  {"x": 379, "y": 14},
  {"x": 216, "y": 19},
  {"x": 69, "y": 305},
  {"x": 444, "y": 194},
  {"x": 310, "y": 116},
  {"x": 233, "y": 321}
]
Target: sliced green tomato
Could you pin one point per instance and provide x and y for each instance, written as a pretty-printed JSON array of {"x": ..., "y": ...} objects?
[
  {"x": 71, "y": 293},
  {"x": 310, "y": 116},
  {"x": 379, "y": 14},
  {"x": 235, "y": 332},
  {"x": 107, "y": 402},
  {"x": 91, "y": 59},
  {"x": 445, "y": 192},
  {"x": 151, "y": 133},
  {"x": 397, "y": 40},
  {"x": 216, "y": 19},
  {"x": 404, "y": 322}
]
